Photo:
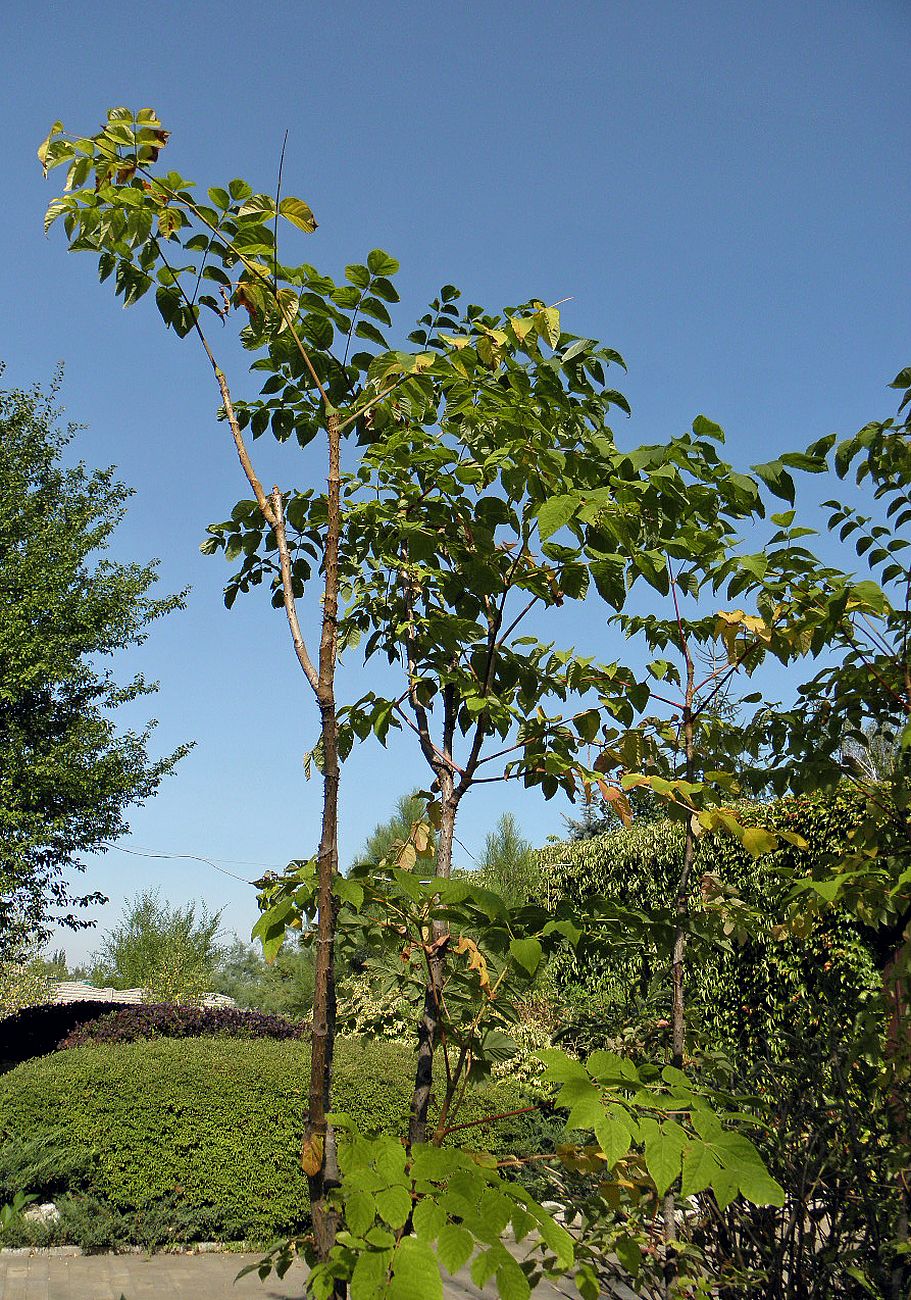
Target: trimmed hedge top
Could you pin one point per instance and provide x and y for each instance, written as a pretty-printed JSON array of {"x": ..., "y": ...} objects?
[{"x": 213, "y": 1127}]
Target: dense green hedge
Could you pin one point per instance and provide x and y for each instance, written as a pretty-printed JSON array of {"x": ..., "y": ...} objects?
[
  {"x": 210, "y": 1127},
  {"x": 749, "y": 999}
]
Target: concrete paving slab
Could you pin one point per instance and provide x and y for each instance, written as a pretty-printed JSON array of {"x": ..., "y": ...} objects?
[{"x": 177, "y": 1277}]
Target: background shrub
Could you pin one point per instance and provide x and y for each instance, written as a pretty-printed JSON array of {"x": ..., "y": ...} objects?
[
  {"x": 745, "y": 1000},
  {"x": 207, "y": 1132},
  {"x": 35, "y": 1031},
  {"x": 165, "y": 1020}
]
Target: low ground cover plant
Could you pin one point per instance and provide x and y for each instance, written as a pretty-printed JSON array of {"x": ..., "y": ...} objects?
[
  {"x": 35, "y": 1031},
  {"x": 164, "y": 1020}
]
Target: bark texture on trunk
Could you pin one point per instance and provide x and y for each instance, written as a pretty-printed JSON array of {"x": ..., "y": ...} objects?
[
  {"x": 429, "y": 1023},
  {"x": 681, "y": 922},
  {"x": 319, "y": 1141}
]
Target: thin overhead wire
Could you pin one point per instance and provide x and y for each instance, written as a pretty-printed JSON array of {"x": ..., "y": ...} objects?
[{"x": 196, "y": 857}]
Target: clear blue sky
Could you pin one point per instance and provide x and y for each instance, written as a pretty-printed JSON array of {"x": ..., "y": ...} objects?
[{"x": 721, "y": 187}]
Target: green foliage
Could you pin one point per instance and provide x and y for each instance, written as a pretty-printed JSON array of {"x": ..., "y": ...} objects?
[
  {"x": 457, "y": 1205},
  {"x": 508, "y": 866},
  {"x": 751, "y": 981},
  {"x": 212, "y": 1127},
  {"x": 67, "y": 775},
  {"x": 170, "y": 952},
  {"x": 284, "y": 987},
  {"x": 681, "y": 1133}
]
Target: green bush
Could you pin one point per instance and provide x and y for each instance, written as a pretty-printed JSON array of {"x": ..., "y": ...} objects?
[
  {"x": 208, "y": 1131},
  {"x": 744, "y": 999}
]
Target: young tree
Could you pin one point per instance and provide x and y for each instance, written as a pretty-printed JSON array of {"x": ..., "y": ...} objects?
[
  {"x": 435, "y": 550},
  {"x": 507, "y": 865},
  {"x": 67, "y": 773},
  {"x": 410, "y": 808},
  {"x": 169, "y": 952}
]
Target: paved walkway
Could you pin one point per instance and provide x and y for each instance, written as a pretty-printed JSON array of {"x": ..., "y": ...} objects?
[{"x": 176, "y": 1277}]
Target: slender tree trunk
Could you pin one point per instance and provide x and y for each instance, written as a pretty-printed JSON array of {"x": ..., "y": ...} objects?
[
  {"x": 895, "y": 991},
  {"x": 429, "y": 1023},
  {"x": 681, "y": 915},
  {"x": 319, "y": 1143}
]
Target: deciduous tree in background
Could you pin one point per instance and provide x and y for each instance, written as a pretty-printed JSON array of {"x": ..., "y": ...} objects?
[
  {"x": 171, "y": 952},
  {"x": 68, "y": 774}
]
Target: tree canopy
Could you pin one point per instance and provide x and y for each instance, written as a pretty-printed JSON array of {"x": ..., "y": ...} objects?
[{"x": 67, "y": 772}]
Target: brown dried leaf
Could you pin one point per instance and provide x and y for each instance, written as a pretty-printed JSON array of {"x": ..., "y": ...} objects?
[{"x": 312, "y": 1154}]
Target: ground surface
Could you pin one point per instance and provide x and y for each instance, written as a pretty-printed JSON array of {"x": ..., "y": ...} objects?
[{"x": 173, "y": 1277}]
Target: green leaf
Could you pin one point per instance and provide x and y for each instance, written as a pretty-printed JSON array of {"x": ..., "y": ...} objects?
[
  {"x": 777, "y": 480},
  {"x": 350, "y": 891},
  {"x": 511, "y": 1281},
  {"x": 557, "y": 1239},
  {"x": 364, "y": 330},
  {"x": 699, "y": 1168},
  {"x": 454, "y": 1247},
  {"x": 380, "y": 263},
  {"x": 527, "y": 952},
  {"x": 260, "y": 205},
  {"x": 394, "y": 1205},
  {"x": 584, "y": 1102},
  {"x": 613, "y": 1137},
  {"x": 703, "y": 427},
  {"x": 629, "y": 1253},
  {"x": 556, "y": 512},
  {"x": 299, "y": 214},
  {"x": 562, "y": 1068},
  {"x": 368, "y": 1281},
  {"x": 761, "y": 1188},
  {"x": 434, "y": 1163},
  {"x": 429, "y": 1218},
  {"x": 664, "y": 1154},
  {"x": 416, "y": 1275},
  {"x": 360, "y": 1211},
  {"x": 358, "y": 275}
]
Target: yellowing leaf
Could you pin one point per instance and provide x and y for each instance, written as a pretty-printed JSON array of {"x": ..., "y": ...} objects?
[
  {"x": 757, "y": 841},
  {"x": 45, "y": 145},
  {"x": 612, "y": 795},
  {"x": 476, "y": 960},
  {"x": 521, "y": 326},
  {"x": 548, "y": 321},
  {"x": 299, "y": 214},
  {"x": 420, "y": 838},
  {"x": 489, "y": 352},
  {"x": 407, "y": 857},
  {"x": 312, "y": 1154},
  {"x": 169, "y": 220}
]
